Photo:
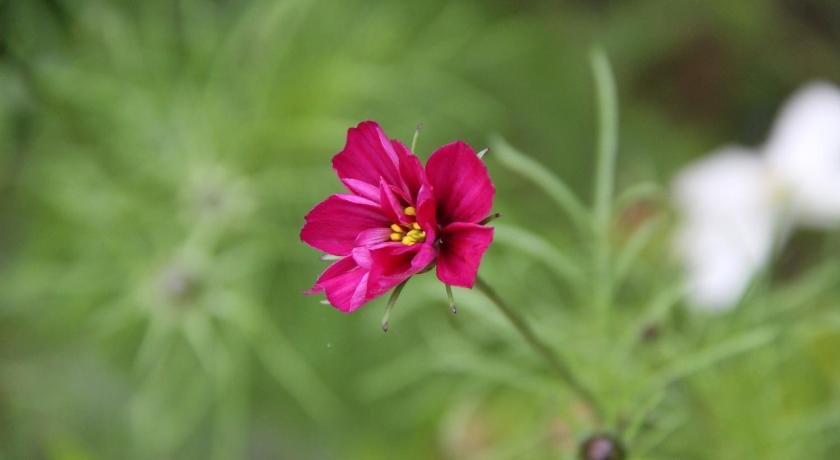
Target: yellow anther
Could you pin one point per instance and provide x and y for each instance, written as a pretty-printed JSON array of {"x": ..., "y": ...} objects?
[
  {"x": 410, "y": 211},
  {"x": 409, "y": 234}
]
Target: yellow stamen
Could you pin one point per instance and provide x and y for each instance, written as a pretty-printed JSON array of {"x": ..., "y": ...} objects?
[
  {"x": 410, "y": 211},
  {"x": 408, "y": 234},
  {"x": 407, "y": 240}
]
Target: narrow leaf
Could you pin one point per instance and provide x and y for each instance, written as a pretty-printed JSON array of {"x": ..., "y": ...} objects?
[{"x": 553, "y": 186}]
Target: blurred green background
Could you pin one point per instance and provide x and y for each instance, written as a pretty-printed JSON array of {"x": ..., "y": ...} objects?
[{"x": 157, "y": 158}]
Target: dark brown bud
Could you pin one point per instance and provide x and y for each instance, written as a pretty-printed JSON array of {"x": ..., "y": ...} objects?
[
  {"x": 602, "y": 446},
  {"x": 650, "y": 333},
  {"x": 179, "y": 285}
]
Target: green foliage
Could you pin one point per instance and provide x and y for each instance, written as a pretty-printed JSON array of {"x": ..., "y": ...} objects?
[{"x": 157, "y": 157}]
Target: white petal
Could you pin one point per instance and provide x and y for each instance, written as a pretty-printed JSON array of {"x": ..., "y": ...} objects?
[
  {"x": 803, "y": 150},
  {"x": 727, "y": 226},
  {"x": 723, "y": 184}
]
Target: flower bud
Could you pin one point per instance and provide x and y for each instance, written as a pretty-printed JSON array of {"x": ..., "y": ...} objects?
[
  {"x": 178, "y": 285},
  {"x": 602, "y": 446}
]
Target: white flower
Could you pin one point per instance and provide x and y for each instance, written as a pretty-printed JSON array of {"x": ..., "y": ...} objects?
[
  {"x": 736, "y": 202},
  {"x": 727, "y": 227},
  {"x": 803, "y": 151}
]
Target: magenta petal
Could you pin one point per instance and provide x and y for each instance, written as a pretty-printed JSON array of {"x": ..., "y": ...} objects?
[
  {"x": 361, "y": 188},
  {"x": 411, "y": 170},
  {"x": 362, "y": 257},
  {"x": 373, "y": 236},
  {"x": 391, "y": 266},
  {"x": 425, "y": 256},
  {"x": 334, "y": 224},
  {"x": 390, "y": 203},
  {"x": 461, "y": 184},
  {"x": 462, "y": 246},
  {"x": 426, "y": 209},
  {"x": 345, "y": 284},
  {"x": 368, "y": 156},
  {"x": 395, "y": 263},
  {"x": 336, "y": 269}
]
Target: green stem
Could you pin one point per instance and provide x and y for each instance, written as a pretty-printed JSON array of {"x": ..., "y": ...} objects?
[
  {"x": 451, "y": 298},
  {"x": 395, "y": 294},
  {"x": 607, "y": 134},
  {"x": 605, "y": 173},
  {"x": 557, "y": 364},
  {"x": 415, "y": 137}
]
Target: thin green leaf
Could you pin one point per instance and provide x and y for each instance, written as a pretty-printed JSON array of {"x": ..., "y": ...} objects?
[
  {"x": 607, "y": 152},
  {"x": 688, "y": 365},
  {"x": 540, "y": 249},
  {"x": 653, "y": 313},
  {"x": 553, "y": 186},
  {"x": 638, "y": 420},
  {"x": 280, "y": 359},
  {"x": 199, "y": 333},
  {"x": 607, "y": 136},
  {"x": 630, "y": 253}
]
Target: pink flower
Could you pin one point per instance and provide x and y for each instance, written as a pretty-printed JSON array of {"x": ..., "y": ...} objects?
[{"x": 399, "y": 219}]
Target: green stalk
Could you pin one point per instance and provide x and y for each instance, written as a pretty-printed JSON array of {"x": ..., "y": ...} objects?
[
  {"x": 389, "y": 307},
  {"x": 414, "y": 138},
  {"x": 605, "y": 173},
  {"x": 451, "y": 298},
  {"x": 557, "y": 364}
]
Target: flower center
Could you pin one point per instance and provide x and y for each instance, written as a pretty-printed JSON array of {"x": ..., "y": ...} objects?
[{"x": 408, "y": 234}]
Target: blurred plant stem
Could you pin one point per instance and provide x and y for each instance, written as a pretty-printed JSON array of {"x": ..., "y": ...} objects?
[
  {"x": 554, "y": 360},
  {"x": 605, "y": 93}
]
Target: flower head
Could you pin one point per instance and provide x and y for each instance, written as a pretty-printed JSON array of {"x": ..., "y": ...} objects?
[
  {"x": 737, "y": 202},
  {"x": 399, "y": 218},
  {"x": 727, "y": 225},
  {"x": 602, "y": 446}
]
